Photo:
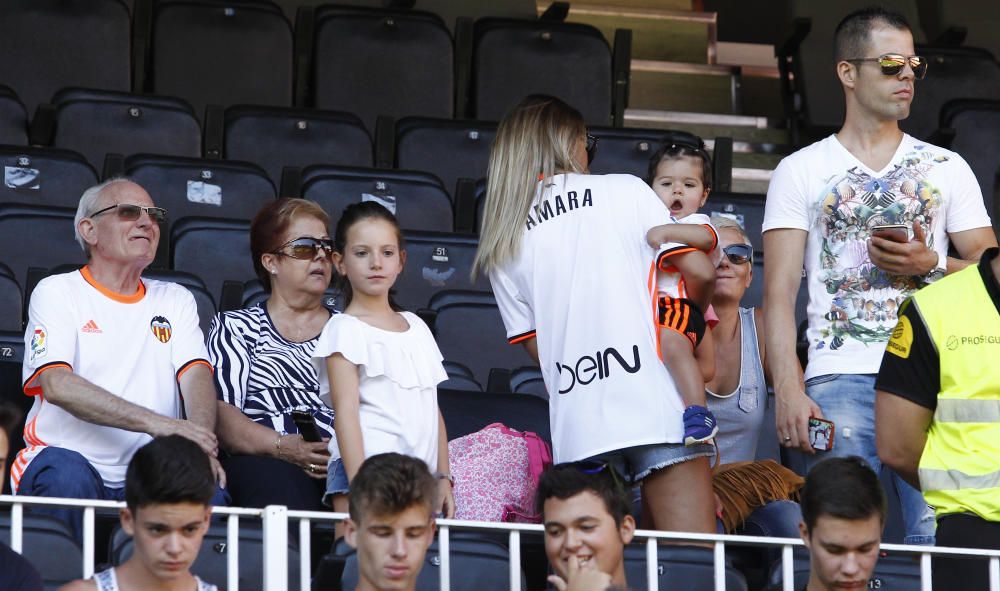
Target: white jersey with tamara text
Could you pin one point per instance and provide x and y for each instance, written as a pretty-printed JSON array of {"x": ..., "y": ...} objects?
[
  {"x": 134, "y": 346},
  {"x": 826, "y": 191},
  {"x": 583, "y": 285}
]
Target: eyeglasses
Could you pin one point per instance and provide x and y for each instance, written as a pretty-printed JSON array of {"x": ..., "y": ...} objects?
[
  {"x": 130, "y": 213},
  {"x": 893, "y": 63},
  {"x": 305, "y": 248},
  {"x": 591, "y": 148},
  {"x": 739, "y": 254}
]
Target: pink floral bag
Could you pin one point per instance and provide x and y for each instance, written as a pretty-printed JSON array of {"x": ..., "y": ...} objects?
[{"x": 496, "y": 473}]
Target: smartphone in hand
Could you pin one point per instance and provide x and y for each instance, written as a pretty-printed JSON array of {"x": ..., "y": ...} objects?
[
  {"x": 821, "y": 434},
  {"x": 894, "y": 232},
  {"x": 307, "y": 426}
]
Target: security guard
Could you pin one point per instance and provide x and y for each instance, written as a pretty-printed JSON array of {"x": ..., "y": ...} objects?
[{"x": 937, "y": 411}]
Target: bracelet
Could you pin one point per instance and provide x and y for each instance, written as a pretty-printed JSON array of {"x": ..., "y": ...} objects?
[
  {"x": 277, "y": 446},
  {"x": 445, "y": 476}
]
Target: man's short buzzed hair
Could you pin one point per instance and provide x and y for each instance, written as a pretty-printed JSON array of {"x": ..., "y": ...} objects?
[
  {"x": 853, "y": 34},
  {"x": 844, "y": 488},
  {"x": 390, "y": 483},
  {"x": 563, "y": 481},
  {"x": 166, "y": 471}
]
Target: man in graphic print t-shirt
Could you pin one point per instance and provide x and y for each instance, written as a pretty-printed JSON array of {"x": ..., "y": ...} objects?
[{"x": 823, "y": 206}]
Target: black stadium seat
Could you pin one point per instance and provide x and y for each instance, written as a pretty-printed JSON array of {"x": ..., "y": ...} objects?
[
  {"x": 13, "y": 118},
  {"x": 952, "y": 72},
  {"x": 418, "y": 199},
  {"x": 448, "y": 149},
  {"x": 624, "y": 151},
  {"x": 436, "y": 261},
  {"x": 213, "y": 52},
  {"x": 528, "y": 380},
  {"x": 468, "y": 412},
  {"x": 51, "y": 44},
  {"x": 459, "y": 378},
  {"x": 37, "y": 236},
  {"x": 44, "y": 176},
  {"x": 679, "y": 568},
  {"x": 375, "y": 62},
  {"x": 976, "y": 127},
  {"x": 215, "y": 250},
  {"x": 11, "y": 300},
  {"x": 97, "y": 123},
  {"x": 49, "y": 546},
  {"x": 469, "y": 330},
  {"x": 745, "y": 208},
  {"x": 274, "y": 138},
  {"x": 188, "y": 187},
  {"x": 514, "y": 58}
]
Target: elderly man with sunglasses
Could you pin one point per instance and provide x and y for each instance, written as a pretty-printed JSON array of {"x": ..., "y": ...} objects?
[
  {"x": 111, "y": 359},
  {"x": 870, "y": 212}
]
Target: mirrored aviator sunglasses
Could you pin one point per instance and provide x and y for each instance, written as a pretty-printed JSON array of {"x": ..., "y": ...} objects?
[
  {"x": 892, "y": 64},
  {"x": 739, "y": 254},
  {"x": 305, "y": 248}
]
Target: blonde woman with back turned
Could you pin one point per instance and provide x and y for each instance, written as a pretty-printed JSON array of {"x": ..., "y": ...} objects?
[{"x": 567, "y": 256}]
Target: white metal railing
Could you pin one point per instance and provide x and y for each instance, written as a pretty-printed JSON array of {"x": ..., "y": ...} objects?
[{"x": 276, "y": 518}]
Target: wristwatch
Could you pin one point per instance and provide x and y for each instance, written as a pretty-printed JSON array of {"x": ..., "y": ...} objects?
[
  {"x": 937, "y": 272},
  {"x": 445, "y": 476}
]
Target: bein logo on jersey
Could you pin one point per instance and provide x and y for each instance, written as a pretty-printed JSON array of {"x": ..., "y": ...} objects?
[
  {"x": 161, "y": 328},
  {"x": 597, "y": 367}
]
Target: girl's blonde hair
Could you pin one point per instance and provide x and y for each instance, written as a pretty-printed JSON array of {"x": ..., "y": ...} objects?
[{"x": 536, "y": 139}]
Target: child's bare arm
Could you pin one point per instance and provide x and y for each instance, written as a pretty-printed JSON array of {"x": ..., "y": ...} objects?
[{"x": 695, "y": 235}]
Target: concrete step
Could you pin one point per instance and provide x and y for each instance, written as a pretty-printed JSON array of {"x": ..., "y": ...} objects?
[
  {"x": 657, "y": 33},
  {"x": 742, "y": 128}
]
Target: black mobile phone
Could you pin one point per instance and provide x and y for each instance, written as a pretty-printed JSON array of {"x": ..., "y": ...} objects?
[
  {"x": 894, "y": 232},
  {"x": 821, "y": 434},
  {"x": 306, "y": 425}
]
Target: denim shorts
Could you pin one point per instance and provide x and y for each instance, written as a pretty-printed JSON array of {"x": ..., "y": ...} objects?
[
  {"x": 336, "y": 481},
  {"x": 636, "y": 463}
]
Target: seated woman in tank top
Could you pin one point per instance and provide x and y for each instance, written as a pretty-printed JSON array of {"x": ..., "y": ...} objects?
[{"x": 737, "y": 395}]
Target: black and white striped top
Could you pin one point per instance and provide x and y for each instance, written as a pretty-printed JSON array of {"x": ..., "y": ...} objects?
[{"x": 264, "y": 375}]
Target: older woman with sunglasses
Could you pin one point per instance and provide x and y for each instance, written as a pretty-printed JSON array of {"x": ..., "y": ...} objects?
[
  {"x": 737, "y": 395},
  {"x": 264, "y": 369}
]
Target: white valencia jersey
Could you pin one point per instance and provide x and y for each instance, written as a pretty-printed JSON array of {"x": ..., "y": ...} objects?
[
  {"x": 134, "y": 346},
  {"x": 583, "y": 286}
]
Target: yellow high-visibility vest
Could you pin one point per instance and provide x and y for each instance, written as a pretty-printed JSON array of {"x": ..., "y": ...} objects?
[{"x": 960, "y": 465}]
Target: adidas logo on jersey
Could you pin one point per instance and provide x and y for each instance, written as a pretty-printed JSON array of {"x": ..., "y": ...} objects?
[{"x": 91, "y": 327}]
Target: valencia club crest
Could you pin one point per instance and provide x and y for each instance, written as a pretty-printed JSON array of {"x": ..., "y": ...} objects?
[{"x": 161, "y": 328}]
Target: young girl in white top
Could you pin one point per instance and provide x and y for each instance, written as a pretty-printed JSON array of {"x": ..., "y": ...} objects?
[{"x": 383, "y": 364}]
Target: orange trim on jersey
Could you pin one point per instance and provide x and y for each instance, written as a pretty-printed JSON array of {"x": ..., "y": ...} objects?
[
  {"x": 140, "y": 292},
  {"x": 520, "y": 338},
  {"x": 37, "y": 390},
  {"x": 715, "y": 236},
  {"x": 661, "y": 260},
  {"x": 31, "y": 432},
  {"x": 192, "y": 363},
  {"x": 20, "y": 465}
]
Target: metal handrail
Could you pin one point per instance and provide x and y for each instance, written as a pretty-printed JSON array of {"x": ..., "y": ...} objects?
[{"x": 275, "y": 520}]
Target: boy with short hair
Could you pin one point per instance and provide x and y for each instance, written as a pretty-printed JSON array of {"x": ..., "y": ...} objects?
[
  {"x": 587, "y": 525},
  {"x": 392, "y": 523},
  {"x": 843, "y": 514},
  {"x": 168, "y": 486}
]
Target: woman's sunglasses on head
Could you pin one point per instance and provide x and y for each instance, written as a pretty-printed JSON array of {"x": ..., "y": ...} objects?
[
  {"x": 591, "y": 148},
  {"x": 739, "y": 254},
  {"x": 130, "y": 213},
  {"x": 893, "y": 63},
  {"x": 305, "y": 248}
]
